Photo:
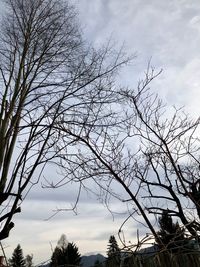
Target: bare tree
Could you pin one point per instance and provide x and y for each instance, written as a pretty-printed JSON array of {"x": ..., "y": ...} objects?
[
  {"x": 152, "y": 155},
  {"x": 47, "y": 74},
  {"x": 167, "y": 165}
]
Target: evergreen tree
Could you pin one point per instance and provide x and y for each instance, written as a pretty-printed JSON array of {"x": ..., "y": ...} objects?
[
  {"x": 17, "y": 259},
  {"x": 171, "y": 234},
  {"x": 113, "y": 253},
  {"x": 65, "y": 254}
]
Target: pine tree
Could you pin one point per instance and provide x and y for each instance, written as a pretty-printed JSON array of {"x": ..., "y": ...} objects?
[
  {"x": 113, "y": 253},
  {"x": 17, "y": 259},
  {"x": 65, "y": 254},
  {"x": 171, "y": 234}
]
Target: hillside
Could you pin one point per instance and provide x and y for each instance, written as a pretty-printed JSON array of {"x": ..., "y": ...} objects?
[{"x": 88, "y": 261}]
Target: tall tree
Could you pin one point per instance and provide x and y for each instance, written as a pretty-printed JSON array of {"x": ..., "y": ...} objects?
[
  {"x": 171, "y": 235},
  {"x": 47, "y": 75},
  {"x": 65, "y": 254},
  {"x": 113, "y": 253},
  {"x": 153, "y": 156},
  {"x": 17, "y": 259}
]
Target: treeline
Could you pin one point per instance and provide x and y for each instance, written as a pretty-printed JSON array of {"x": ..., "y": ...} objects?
[
  {"x": 66, "y": 253},
  {"x": 18, "y": 259},
  {"x": 173, "y": 237}
]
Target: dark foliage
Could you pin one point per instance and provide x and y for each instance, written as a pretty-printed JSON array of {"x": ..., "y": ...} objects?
[
  {"x": 113, "y": 253},
  {"x": 17, "y": 259},
  {"x": 171, "y": 235},
  {"x": 68, "y": 255}
]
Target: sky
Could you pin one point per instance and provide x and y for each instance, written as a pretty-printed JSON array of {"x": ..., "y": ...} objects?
[{"x": 168, "y": 34}]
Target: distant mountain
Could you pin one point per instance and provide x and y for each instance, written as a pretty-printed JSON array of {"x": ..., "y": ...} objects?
[
  {"x": 89, "y": 261},
  {"x": 86, "y": 261}
]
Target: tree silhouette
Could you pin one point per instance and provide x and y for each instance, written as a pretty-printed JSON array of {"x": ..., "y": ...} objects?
[
  {"x": 17, "y": 259},
  {"x": 65, "y": 254},
  {"x": 171, "y": 235},
  {"x": 113, "y": 253},
  {"x": 48, "y": 76}
]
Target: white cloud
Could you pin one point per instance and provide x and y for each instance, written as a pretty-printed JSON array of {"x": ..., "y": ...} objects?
[{"x": 167, "y": 31}]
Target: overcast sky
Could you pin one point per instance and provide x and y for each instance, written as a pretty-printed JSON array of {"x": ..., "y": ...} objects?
[{"x": 168, "y": 33}]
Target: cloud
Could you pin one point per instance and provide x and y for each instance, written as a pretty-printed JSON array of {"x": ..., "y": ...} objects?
[{"x": 167, "y": 32}]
